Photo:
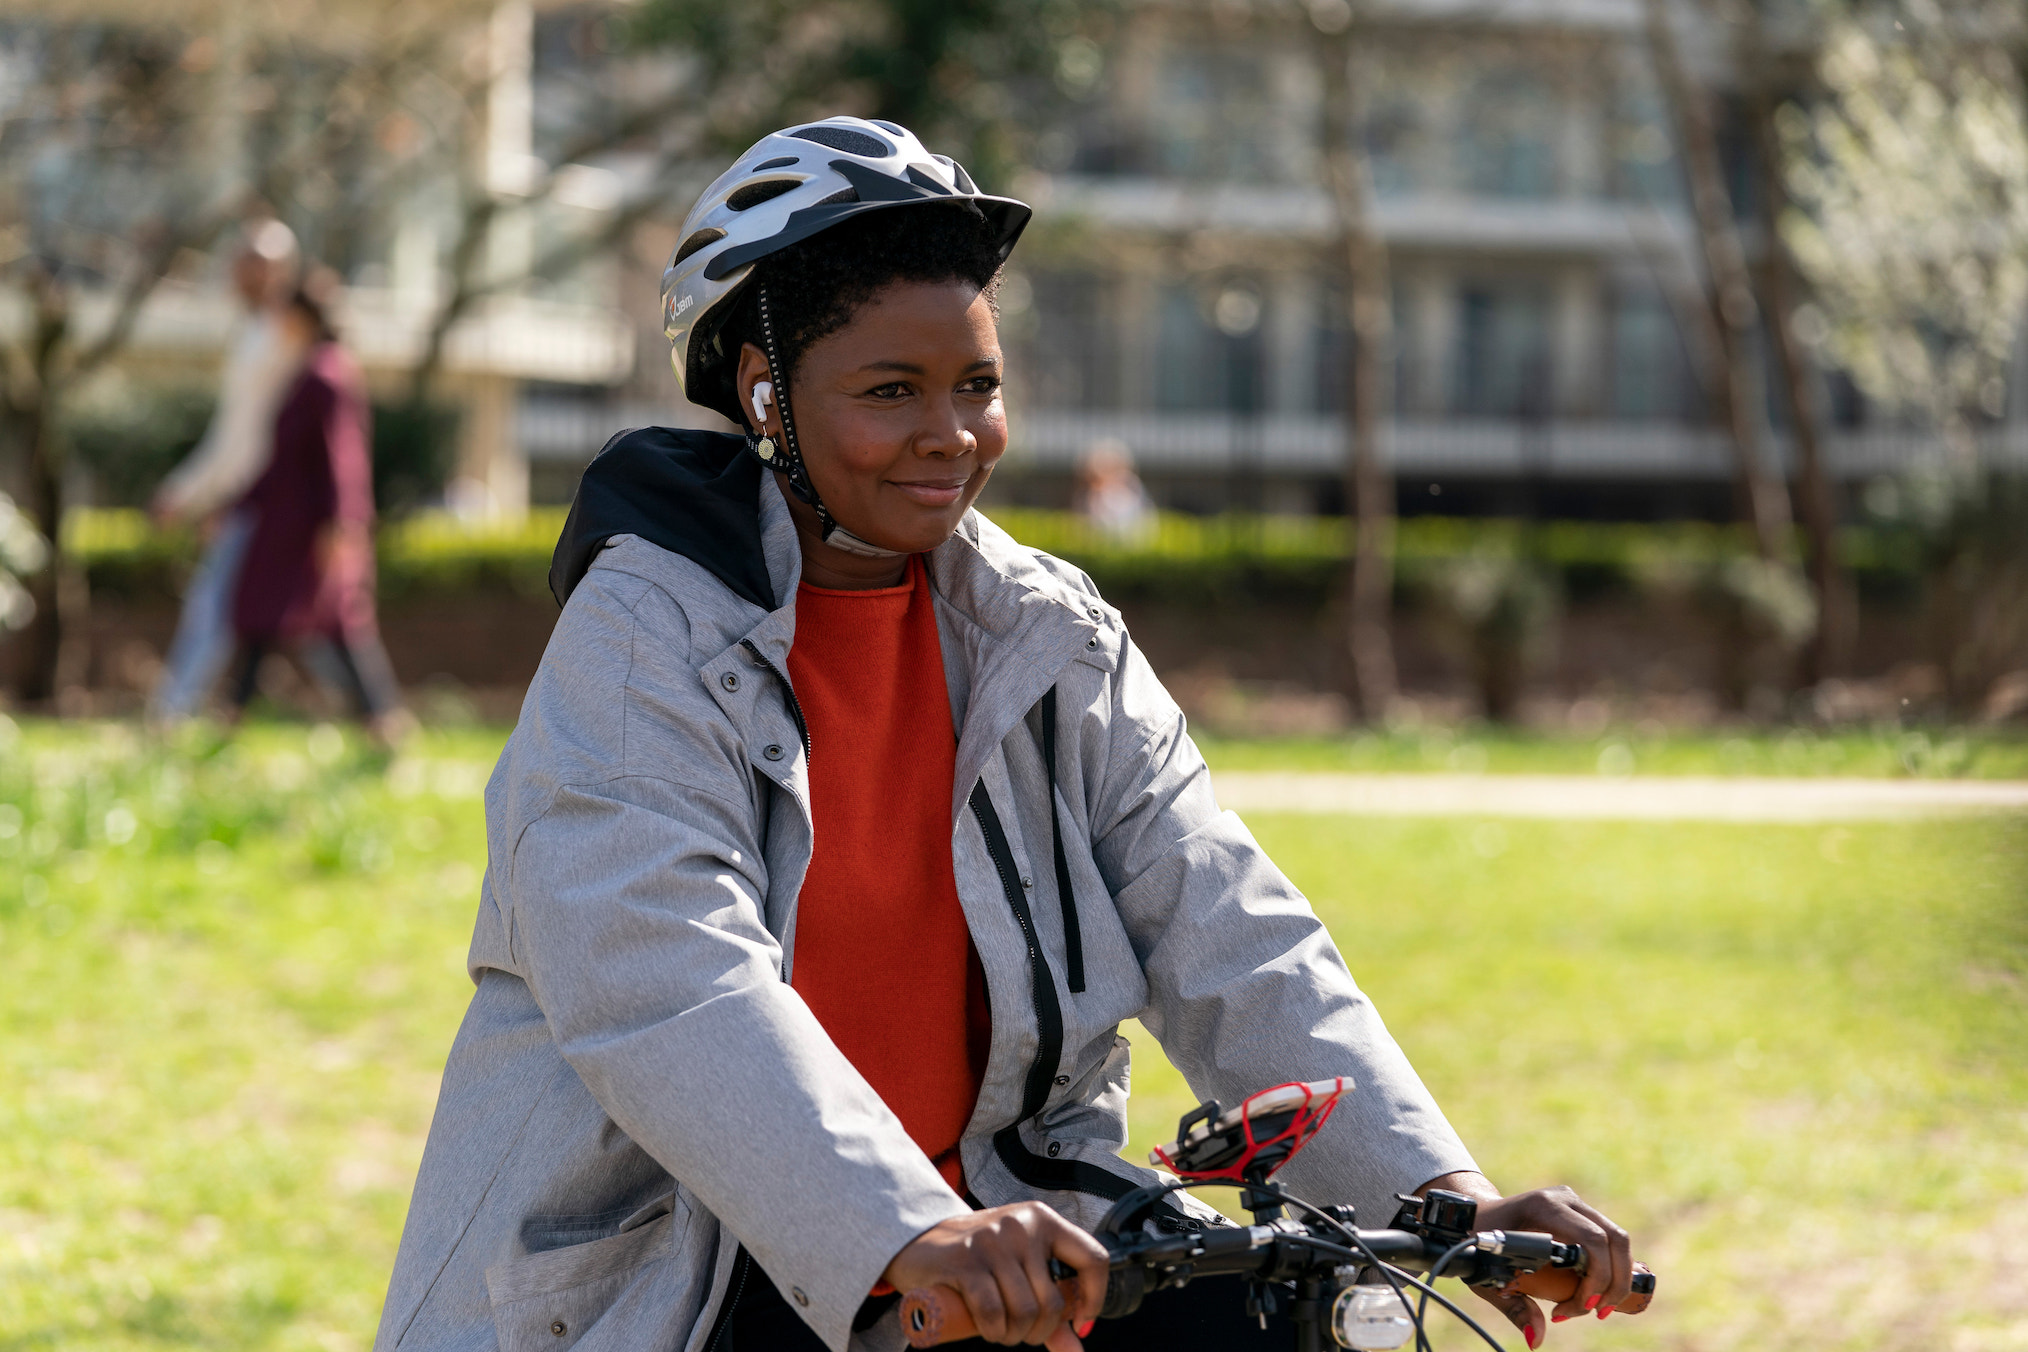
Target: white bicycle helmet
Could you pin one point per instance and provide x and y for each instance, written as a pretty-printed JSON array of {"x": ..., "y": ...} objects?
[{"x": 789, "y": 186}]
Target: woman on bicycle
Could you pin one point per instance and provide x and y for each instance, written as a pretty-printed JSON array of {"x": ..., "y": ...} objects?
[{"x": 838, "y": 835}]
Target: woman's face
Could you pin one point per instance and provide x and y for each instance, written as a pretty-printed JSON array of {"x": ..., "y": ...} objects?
[{"x": 898, "y": 414}]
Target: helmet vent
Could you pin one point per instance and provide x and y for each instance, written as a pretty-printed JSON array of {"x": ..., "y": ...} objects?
[
  {"x": 885, "y": 125},
  {"x": 710, "y": 234},
  {"x": 842, "y": 195},
  {"x": 753, "y": 194},
  {"x": 958, "y": 175},
  {"x": 778, "y": 162},
  {"x": 847, "y": 140}
]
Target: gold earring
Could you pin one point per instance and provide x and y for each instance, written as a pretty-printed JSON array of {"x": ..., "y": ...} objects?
[{"x": 765, "y": 448}]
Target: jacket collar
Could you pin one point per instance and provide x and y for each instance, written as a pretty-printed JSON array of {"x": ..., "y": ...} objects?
[
  {"x": 1016, "y": 626},
  {"x": 1019, "y": 626}
]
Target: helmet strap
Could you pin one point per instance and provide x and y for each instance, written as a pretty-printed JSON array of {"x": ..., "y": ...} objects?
[{"x": 787, "y": 458}]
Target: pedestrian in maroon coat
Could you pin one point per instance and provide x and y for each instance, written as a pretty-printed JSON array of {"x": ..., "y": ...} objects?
[{"x": 306, "y": 585}]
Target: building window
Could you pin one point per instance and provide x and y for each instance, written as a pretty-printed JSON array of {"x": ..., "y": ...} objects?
[
  {"x": 1398, "y": 145},
  {"x": 1208, "y": 349},
  {"x": 1502, "y": 366},
  {"x": 1331, "y": 344},
  {"x": 1651, "y": 376},
  {"x": 1847, "y": 402},
  {"x": 1213, "y": 118},
  {"x": 1508, "y": 146},
  {"x": 1644, "y": 167},
  {"x": 1072, "y": 361}
]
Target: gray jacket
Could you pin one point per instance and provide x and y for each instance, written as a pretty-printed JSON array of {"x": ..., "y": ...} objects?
[{"x": 637, "y": 1090}]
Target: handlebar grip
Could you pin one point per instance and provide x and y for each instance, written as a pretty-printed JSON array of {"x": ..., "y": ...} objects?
[
  {"x": 935, "y": 1314},
  {"x": 1558, "y": 1284},
  {"x": 932, "y": 1315},
  {"x": 1552, "y": 1284}
]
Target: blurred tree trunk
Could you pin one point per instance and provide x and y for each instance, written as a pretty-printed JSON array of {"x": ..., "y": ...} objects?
[
  {"x": 30, "y": 415},
  {"x": 1369, "y": 481},
  {"x": 41, "y": 371},
  {"x": 1829, "y": 648},
  {"x": 1729, "y": 296}
]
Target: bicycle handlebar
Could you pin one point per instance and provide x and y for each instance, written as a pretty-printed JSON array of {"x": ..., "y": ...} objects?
[
  {"x": 1281, "y": 1251},
  {"x": 1314, "y": 1263}
]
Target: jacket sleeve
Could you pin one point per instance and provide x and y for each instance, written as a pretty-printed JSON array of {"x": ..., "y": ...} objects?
[
  {"x": 633, "y": 909},
  {"x": 348, "y": 438},
  {"x": 239, "y": 441},
  {"x": 1247, "y": 989}
]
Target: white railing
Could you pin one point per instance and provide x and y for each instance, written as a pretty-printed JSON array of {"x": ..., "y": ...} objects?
[
  {"x": 1055, "y": 440},
  {"x": 1284, "y": 445},
  {"x": 510, "y": 336}
]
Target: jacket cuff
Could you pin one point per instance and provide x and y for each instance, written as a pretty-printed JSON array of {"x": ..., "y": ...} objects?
[{"x": 827, "y": 1282}]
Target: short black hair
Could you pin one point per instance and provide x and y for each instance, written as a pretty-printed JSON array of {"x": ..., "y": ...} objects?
[
  {"x": 313, "y": 306},
  {"x": 816, "y": 286}
]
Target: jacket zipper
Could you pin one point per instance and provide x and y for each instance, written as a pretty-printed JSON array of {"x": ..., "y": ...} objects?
[
  {"x": 1039, "y": 1171},
  {"x": 1073, "y": 933},
  {"x": 1048, "y": 1013},
  {"x": 735, "y": 1291},
  {"x": 795, "y": 706}
]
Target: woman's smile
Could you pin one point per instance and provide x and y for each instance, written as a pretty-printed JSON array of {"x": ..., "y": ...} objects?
[{"x": 933, "y": 491}]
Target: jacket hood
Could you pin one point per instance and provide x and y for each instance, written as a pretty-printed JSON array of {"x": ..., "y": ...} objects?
[{"x": 687, "y": 491}]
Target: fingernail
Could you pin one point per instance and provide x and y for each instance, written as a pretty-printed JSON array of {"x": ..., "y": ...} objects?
[
  {"x": 1604, "y": 1310},
  {"x": 1558, "y": 1318},
  {"x": 1084, "y": 1329},
  {"x": 1528, "y": 1332},
  {"x": 1591, "y": 1302}
]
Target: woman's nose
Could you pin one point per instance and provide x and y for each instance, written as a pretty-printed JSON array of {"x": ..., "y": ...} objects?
[{"x": 946, "y": 434}]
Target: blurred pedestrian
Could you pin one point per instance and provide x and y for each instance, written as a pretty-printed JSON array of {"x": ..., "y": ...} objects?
[
  {"x": 306, "y": 584},
  {"x": 207, "y": 486},
  {"x": 1111, "y": 495}
]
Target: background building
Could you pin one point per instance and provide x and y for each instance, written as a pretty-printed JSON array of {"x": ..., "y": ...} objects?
[{"x": 1177, "y": 291}]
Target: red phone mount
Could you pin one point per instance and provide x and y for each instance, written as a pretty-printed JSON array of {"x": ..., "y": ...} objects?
[{"x": 1248, "y": 1143}]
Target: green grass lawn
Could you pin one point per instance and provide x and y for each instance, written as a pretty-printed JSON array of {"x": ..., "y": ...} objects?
[
  {"x": 1884, "y": 752},
  {"x": 1789, "y": 1057}
]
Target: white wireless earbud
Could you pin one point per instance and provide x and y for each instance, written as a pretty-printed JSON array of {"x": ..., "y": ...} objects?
[{"x": 763, "y": 395}]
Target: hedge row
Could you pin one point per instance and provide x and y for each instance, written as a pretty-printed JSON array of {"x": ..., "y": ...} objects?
[
  {"x": 427, "y": 553},
  {"x": 1179, "y": 558}
]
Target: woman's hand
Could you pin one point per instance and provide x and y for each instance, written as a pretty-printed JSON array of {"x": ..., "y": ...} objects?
[
  {"x": 998, "y": 1261},
  {"x": 1608, "y": 1252},
  {"x": 339, "y": 544}
]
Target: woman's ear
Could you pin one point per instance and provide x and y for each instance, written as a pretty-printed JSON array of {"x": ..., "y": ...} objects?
[{"x": 755, "y": 385}]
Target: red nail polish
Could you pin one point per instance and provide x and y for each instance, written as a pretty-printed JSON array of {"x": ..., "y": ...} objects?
[
  {"x": 1591, "y": 1302},
  {"x": 1084, "y": 1329},
  {"x": 1531, "y": 1335},
  {"x": 1558, "y": 1318},
  {"x": 1604, "y": 1310}
]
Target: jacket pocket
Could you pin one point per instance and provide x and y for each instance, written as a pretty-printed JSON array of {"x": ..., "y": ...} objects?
[
  {"x": 1095, "y": 1105},
  {"x": 550, "y": 1301}
]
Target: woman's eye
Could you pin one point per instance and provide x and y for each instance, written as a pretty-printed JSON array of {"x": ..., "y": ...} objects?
[
  {"x": 896, "y": 390},
  {"x": 981, "y": 385}
]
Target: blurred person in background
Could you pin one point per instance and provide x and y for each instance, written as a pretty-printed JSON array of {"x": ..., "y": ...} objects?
[
  {"x": 307, "y": 578},
  {"x": 206, "y": 487},
  {"x": 1110, "y": 495}
]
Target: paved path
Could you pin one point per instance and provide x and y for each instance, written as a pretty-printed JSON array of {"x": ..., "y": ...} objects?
[{"x": 1601, "y": 798}]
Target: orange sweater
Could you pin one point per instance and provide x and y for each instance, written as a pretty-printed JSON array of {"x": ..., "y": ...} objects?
[{"x": 883, "y": 955}]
